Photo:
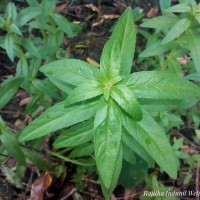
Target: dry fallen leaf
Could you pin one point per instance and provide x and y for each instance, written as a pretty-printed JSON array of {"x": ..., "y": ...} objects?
[
  {"x": 61, "y": 7},
  {"x": 23, "y": 102},
  {"x": 92, "y": 7},
  {"x": 188, "y": 150},
  {"x": 20, "y": 124},
  {"x": 110, "y": 16},
  {"x": 40, "y": 185},
  {"x": 152, "y": 12}
]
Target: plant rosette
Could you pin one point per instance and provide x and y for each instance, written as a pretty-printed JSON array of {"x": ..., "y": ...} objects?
[{"x": 107, "y": 106}]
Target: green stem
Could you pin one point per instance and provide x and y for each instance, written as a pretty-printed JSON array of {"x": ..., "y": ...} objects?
[{"x": 70, "y": 160}]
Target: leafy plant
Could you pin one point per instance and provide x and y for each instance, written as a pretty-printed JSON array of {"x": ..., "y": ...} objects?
[
  {"x": 178, "y": 36},
  {"x": 33, "y": 35},
  {"x": 109, "y": 109}
]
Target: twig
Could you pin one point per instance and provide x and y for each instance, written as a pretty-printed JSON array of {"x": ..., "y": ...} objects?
[
  {"x": 6, "y": 67},
  {"x": 197, "y": 179},
  {"x": 28, "y": 186},
  {"x": 92, "y": 195},
  {"x": 69, "y": 194}
]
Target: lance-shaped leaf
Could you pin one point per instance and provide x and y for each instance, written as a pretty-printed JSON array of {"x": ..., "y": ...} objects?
[
  {"x": 160, "y": 85},
  {"x": 58, "y": 117},
  {"x": 116, "y": 170},
  {"x": 181, "y": 26},
  {"x": 11, "y": 144},
  {"x": 63, "y": 86},
  {"x": 194, "y": 46},
  {"x": 156, "y": 49},
  {"x": 87, "y": 90},
  {"x": 153, "y": 139},
  {"x": 107, "y": 142},
  {"x": 11, "y": 12},
  {"x": 180, "y": 8},
  {"x": 63, "y": 24},
  {"x": 126, "y": 99},
  {"x": 118, "y": 52},
  {"x": 26, "y": 14},
  {"x": 11, "y": 176},
  {"x": 157, "y": 22},
  {"x": 159, "y": 105},
  {"x": 75, "y": 136},
  {"x": 70, "y": 71},
  {"x": 31, "y": 48},
  {"x": 9, "y": 46},
  {"x": 7, "y": 89}
]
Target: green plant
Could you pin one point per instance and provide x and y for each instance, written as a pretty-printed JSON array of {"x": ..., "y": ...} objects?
[
  {"x": 34, "y": 35},
  {"x": 108, "y": 108},
  {"x": 31, "y": 36},
  {"x": 175, "y": 38}
]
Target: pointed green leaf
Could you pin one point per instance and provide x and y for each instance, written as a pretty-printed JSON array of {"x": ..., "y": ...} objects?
[
  {"x": 9, "y": 46},
  {"x": 11, "y": 12},
  {"x": 87, "y": 90},
  {"x": 23, "y": 71},
  {"x": 193, "y": 41},
  {"x": 26, "y": 14},
  {"x": 118, "y": 52},
  {"x": 107, "y": 142},
  {"x": 7, "y": 89},
  {"x": 126, "y": 99},
  {"x": 58, "y": 117},
  {"x": 193, "y": 77},
  {"x": 75, "y": 136},
  {"x": 70, "y": 71},
  {"x": 181, "y": 26},
  {"x": 45, "y": 87},
  {"x": 15, "y": 29},
  {"x": 63, "y": 86},
  {"x": 153, "y": 139},
  {"x": 156, "y": 49},
  {"x": 11, "y": 144},
  {"x": 157, "y": 22},
  {"x": 179, "y": 8},
  {"x": 159, "y": 105},
  {"x": 63, "y": 24},
  {"x": 31, "y": 48},
  {"x": 12, "y": 177},
  {"x": 116, "y": 173},
  {"x": 160, "y": 85},
  {"x": 47, "y": 7}
]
